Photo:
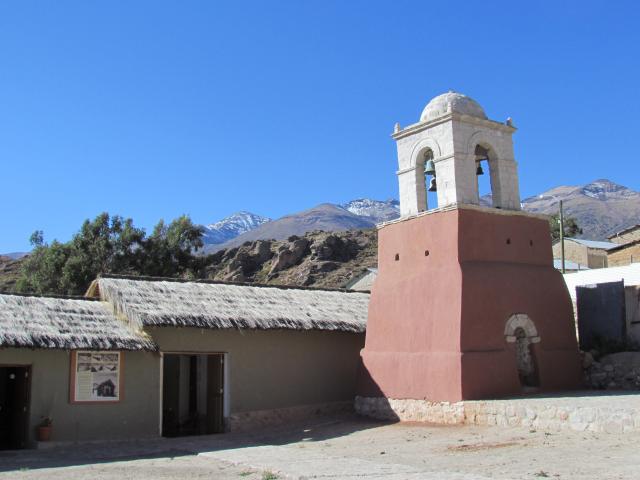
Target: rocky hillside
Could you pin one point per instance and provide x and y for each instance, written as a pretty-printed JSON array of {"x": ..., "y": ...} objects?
[
  {"x": 9, "y": 272},
  {"x": 320, "y": 259},
  {"x": 601, "y": 207}
]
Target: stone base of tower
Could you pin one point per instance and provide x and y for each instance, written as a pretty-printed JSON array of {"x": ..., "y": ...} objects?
[{"x": 467, "y": 305}]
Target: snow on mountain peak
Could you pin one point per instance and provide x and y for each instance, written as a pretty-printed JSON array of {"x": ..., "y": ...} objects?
[
  {"x": 232, "y": 226},
  {"x": 377, "y": 210},
  {"x": 602, "y": 189}
]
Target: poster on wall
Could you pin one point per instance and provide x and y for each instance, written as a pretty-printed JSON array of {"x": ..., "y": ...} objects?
[{"x": 96, "y": 377}]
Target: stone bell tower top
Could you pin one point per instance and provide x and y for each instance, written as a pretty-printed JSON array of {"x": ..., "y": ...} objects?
[
  {"x": 449, "y": 143},
  {"x": 452, "y": 102}
]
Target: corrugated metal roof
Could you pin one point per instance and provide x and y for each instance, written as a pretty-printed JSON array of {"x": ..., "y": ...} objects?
[
  {"x": 625, "y": 230},
  {"x": 629, "y": 273},
  {"x": 594, "y": 243}
]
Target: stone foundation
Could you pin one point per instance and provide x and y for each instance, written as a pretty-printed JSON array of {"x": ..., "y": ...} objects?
[
  {"x": 618, "y": 371},
  {"x": 243, "y": 421},
  {"x": 609, "y": 414}
]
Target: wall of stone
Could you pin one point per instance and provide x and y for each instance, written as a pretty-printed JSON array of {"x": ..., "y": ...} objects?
[
  {"x": 580, "y": 413},
  {"x": 618, "y": 371}
]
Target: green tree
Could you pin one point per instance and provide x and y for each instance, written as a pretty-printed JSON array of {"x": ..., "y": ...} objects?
[
  {"x": 169, "y": 250},
  {"x": 571, "y": 227},
  {"x": 111, "y": 245}
]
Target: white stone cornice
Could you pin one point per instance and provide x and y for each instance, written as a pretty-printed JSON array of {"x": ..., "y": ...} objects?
[{"x": 418, "y": 127}]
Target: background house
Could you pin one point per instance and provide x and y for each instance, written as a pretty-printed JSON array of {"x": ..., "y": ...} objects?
[
  {"x": 628, "y": 235},
  {"x": 587, "y": 253}
]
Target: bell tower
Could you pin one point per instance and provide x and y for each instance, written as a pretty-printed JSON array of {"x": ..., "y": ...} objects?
[
  {"x": 467, "y": 303},
  {"x": 451, "y": 139}
]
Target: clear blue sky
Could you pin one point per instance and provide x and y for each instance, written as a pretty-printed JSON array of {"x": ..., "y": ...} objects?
[{"x": 154, "y": 109}]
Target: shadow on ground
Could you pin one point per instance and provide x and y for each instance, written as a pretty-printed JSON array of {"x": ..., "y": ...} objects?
[{"x": 77, "y": 454}]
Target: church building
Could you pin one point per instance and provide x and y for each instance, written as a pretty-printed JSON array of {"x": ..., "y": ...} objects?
[{"x": 467, "y": 303}]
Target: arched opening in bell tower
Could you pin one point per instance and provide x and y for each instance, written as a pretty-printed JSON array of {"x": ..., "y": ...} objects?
[
  {"x": 484, "y": 159},
  {"x": 430, "y": 182}
]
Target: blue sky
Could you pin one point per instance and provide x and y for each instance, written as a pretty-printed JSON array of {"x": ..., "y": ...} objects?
[{"x": 154, "y": 109}]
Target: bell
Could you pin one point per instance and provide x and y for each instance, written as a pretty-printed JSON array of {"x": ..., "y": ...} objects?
[
  {"x": 432, "y": 186},
  {"x": 429, "y": 168},
  {"x": 479, "y": 170}
]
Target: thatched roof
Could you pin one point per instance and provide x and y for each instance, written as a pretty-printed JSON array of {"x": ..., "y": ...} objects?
[
  {"x": 165, "y": 302},
  {"x": 49, "y": 322}
]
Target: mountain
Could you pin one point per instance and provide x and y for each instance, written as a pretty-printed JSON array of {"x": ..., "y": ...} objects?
[
  {"x": 14, "y": 255},
  {"x": 376, "y": 210},
  {"x": 326, "y": 217},
  {"x": 601, "y": 207},
  {"x": 232, "y": 226}
]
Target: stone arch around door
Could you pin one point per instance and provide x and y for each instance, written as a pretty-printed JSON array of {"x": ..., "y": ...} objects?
[
  {"x": 520, "y": 320},
  {"x": 521, "y": 331}
]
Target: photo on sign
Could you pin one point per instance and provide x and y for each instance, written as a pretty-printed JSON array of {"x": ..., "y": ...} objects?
[
  {"x": 105, "y": 385},
  {"x": 96, "y": 377}
]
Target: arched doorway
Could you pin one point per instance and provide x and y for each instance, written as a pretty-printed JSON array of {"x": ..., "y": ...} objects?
[{"x": 521, "y": 330}]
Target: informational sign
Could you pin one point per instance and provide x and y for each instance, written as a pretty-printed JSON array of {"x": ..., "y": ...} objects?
[{"x": 96, "y": 376}]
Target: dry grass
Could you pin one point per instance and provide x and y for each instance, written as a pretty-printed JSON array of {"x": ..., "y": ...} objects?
[
  {"x": 220, "y": 305},
  {"x": 47, "y": 322}
]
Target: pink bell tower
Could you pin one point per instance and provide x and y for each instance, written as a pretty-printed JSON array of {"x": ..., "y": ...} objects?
[{"x": 467, "y": 303}]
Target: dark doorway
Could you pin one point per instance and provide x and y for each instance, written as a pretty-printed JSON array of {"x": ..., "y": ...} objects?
[
  {"x": 192, "y": 396},
  {"x": 526, "y": 361},
  {"x": 14, "y": 407}
]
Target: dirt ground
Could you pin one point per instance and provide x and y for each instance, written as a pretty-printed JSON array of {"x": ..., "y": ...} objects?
[{"x": 343, "y": 448}]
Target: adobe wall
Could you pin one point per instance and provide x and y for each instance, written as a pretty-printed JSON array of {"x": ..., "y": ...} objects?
[
  {"x": 624, "y": 256},
  {"x": 135, "y": 416},
  {"x": 573, "y": 252},
  {"x": 412, "y": 347},
  {"x": 582, "y": 255},
  {"x": 274, "y": 371},
  {"x": 507, "y": 269},
  {"x": 437, "y": 321}
]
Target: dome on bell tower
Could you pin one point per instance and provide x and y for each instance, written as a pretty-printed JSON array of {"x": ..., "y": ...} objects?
[{"x": 451, "y": 102}]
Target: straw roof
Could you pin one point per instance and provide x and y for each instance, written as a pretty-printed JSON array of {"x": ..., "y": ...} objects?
[
  {"x": 48, "y": 322},
  {"x": 163, "y": 302}
]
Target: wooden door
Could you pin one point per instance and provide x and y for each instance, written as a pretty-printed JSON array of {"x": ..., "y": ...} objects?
[
  {"x": 215, "y": 394},
  {"x": 14, "y": 407},
  {"x": 170, "y": 395}
]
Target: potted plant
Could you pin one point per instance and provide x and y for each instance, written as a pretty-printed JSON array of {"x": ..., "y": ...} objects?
[{"x": 44, "y": 430}]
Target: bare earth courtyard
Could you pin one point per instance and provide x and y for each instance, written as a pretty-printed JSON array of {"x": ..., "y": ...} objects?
[{"x": 344, "y": 447}]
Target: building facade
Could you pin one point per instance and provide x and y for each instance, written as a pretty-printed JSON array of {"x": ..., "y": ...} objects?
[
  {"x": 628, "y": 235},
  {"x": 586, "y": 253},
  {"x": 625, "y": 254},
  {"x": 142, "y": 358}
]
